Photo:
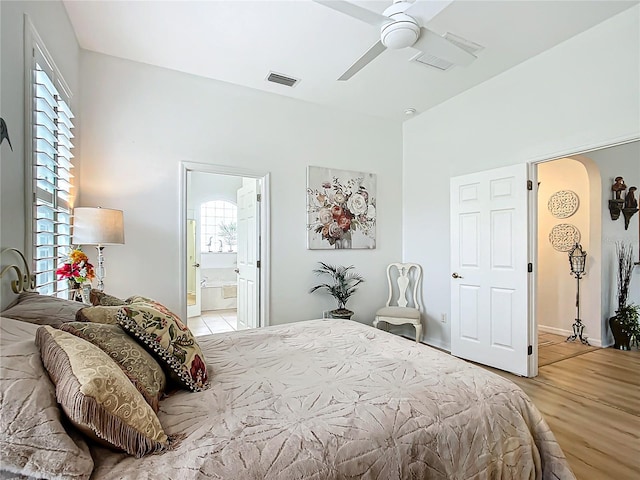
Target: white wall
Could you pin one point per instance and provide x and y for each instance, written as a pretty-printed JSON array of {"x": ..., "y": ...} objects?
[
  {"x": 559, "y": 102},
  {"x": 556, "y": 287},
  {"x": 51, "y": 21},
  {"x": 146, "y": 120}
]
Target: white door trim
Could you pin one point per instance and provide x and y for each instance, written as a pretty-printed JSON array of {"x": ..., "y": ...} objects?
[
  {"x": 265, "y": 231},
  {"x": 532, "y": 254}
]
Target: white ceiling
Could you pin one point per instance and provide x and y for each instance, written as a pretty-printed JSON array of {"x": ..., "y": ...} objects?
[{"x": 242, "y": 41}]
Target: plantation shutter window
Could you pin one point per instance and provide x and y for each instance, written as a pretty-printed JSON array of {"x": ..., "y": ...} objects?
[{"x": 52, "y": 162}]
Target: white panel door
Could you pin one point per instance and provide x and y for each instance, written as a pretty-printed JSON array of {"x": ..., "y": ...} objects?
[
  {"x": 248, "y": 251},
  {"x": 489, "y": 268},
  {"x": 193, "y": 271}
]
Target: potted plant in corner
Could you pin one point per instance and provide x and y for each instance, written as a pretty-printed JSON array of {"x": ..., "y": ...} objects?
[
  {"x": 343, "y": 286},
  {"x": 625, "y": 325}
]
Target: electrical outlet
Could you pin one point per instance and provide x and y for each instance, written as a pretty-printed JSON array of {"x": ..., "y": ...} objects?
[{"x": 443, "y": 317}]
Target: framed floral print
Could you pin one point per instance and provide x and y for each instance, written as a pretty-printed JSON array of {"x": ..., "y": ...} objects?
[{"x": 341, "y": 209}]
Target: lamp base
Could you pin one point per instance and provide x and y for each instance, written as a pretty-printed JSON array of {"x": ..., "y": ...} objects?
[
  {"x": 100, "y": 272},
  {"x": 578, "y": 329}
]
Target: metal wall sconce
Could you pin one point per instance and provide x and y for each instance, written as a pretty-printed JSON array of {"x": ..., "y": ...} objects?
[
  {"x": 628, "y": 205},
  {"x": 577, "y": 261}
]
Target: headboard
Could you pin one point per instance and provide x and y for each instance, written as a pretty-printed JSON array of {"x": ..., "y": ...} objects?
[{"x": 15, "y": 275}]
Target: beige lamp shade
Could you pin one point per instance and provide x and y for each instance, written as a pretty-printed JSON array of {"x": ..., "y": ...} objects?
[{"x": 97, "y": 226}]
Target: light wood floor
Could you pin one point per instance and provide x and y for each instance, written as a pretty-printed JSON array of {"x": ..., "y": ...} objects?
[
  {"x": 553, "y": 348},
  {"x": 591, "y": 401}
]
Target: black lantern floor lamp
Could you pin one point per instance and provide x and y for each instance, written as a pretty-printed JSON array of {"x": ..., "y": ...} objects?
[{"x": 577, "y": 260}]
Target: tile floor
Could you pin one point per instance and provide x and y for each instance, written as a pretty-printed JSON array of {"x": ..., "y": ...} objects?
[{"x": 213, "y": 321}]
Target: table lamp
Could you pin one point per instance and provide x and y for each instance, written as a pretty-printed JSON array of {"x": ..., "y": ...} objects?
[{"x": 98, "y": 226}]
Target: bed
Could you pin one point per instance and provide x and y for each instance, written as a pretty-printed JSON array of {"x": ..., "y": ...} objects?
[{"x": 316, "y": 399}]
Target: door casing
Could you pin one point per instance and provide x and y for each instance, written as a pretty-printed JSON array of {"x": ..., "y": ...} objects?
[{"x": 265, "y": 264}]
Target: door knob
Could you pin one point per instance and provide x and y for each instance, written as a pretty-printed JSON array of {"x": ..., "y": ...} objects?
[
  {"x": 197, "y": 265},
  {"x": 456, "y": 275},
  {"x": 237, "y": 270}
]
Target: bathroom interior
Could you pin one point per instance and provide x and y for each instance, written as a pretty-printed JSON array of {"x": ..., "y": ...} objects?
[{"x": 212, "y": 250}]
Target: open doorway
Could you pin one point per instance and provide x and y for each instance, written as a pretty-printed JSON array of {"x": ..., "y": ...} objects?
[
  {"x": 589, "y": 176},
  {"x": 569, "y": 213},
  {"x": 224, "y": 259}
]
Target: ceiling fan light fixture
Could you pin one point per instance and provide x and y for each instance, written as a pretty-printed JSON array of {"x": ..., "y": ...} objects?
[{"x": 400, "y": 34}]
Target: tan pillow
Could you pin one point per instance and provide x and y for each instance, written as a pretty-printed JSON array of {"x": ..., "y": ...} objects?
[
  {"x": 141, "y": 368},
  {"x": 98, "y": 297},
  {"x": 98, "y": 314},
  {"x": 42, "y": 309},
  {"x": 33, "y": 440},
  {"x": 97, "y": 396},
  {"x": 163, "y": 333}
]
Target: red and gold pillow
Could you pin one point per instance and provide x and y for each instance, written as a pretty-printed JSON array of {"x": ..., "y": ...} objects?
[{"x": 163, "y": 333}]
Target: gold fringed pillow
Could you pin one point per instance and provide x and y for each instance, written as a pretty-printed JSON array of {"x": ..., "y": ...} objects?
[
  {"x": 141, "y": 368},
  {"x": 163, "y": 333},
  {"x": 97, "y": 396}
]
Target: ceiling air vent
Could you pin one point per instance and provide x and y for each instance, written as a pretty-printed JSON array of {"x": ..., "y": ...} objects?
[
  {"x": 282, "y": 79},
  {"x": 441, "y": 63},
  {"x": 432, "y": 61}
]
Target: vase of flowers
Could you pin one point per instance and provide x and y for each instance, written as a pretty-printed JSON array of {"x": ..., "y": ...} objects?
[
  {"x": 78, "y": 272},
  {"x": 339, "y": 209},
  {"x": 343, "y": 286}
]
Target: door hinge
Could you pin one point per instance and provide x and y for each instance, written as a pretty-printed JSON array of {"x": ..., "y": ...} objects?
[
  {"x": 530, "y": 350},
  {"x": 529, "y": 185},
  {"x": 259, "y": 197},
  {"x": 258, "y": 264},
  {"x": 530, "y": 267}
]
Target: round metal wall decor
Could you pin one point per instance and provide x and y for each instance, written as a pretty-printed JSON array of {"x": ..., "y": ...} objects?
[
  {"x": 564, "y": 237},
  {"x": 563, "y": 204}
]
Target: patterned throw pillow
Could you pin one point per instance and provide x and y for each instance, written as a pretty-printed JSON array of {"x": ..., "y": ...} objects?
[
  {"x": 97, "y": 396},
  {"x": 98, "y": 297},
  {"x": 164, "y": 334},
  {"x": 141, "y": 368},
  {"x": 98, "y": 314}
]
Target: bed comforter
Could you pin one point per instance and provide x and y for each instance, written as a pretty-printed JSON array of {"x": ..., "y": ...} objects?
[{"x": 334, "y": 399}]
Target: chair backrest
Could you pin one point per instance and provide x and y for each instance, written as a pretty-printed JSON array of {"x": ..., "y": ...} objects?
[{"x": 403, "y": 277}]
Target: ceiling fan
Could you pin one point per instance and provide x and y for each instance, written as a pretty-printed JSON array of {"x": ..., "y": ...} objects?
[{"x": 401, "y": 26}]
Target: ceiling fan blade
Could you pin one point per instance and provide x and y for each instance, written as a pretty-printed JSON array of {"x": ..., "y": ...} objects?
[
  {"x": 370, "y": 54},
  {"x": 433, "y": 44},
  {"x": 424, "y": 10},
  {"x": 362, "y": 14}
]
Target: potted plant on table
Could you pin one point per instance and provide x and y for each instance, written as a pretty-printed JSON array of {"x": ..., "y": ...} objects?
[
  {"x": 344, "y": 285},
  {"x": 625, "y": 325}
]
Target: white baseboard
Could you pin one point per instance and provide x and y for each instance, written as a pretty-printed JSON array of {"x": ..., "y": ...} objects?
[
  {"x": 595, "y": 342},
  {"x": 430, "y": 342}
]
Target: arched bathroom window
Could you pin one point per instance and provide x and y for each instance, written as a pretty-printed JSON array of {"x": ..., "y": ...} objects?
[{"x": 218, "y": 220}]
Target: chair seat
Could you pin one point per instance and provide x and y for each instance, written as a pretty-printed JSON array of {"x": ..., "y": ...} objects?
[{"x": 399, "y": 312}]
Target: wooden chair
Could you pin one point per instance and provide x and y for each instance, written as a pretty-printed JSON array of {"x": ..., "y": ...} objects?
[{"x": 398, "y": 311}]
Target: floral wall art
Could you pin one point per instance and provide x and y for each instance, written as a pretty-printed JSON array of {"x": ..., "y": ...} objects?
[{"x": 341, "y": 209}]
